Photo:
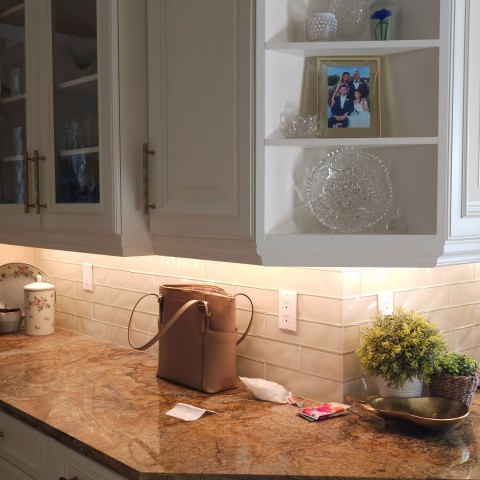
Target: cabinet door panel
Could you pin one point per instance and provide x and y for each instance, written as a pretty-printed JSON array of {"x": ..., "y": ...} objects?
[
  {"x": 9, "y": 472},
  {"x": 201, "y": 105}
]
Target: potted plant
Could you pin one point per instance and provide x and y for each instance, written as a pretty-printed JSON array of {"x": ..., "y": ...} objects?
[
  {"x": 402, "y": 350},
  {"x": 457, "y": 378}
]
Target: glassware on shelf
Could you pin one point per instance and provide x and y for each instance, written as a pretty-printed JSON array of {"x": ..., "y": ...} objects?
[
  {"x": 382, "y": 20},
  {"x": 17, "y": 135},
  {"x": 396, "y": 225},
  {"x": 349, "y": 190},
  {"x": 352, "y": 17},
  {"x": 320, "y": 27},
  {"x": 83, "y": 57},
  {"x": 305, "y": 126}
]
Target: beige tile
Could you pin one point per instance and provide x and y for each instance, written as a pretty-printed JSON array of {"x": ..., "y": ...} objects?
[
  {"x": 327, "y": 365},
  {"x": 83, "y": 308},
  {"x": 477, "y": 313},
  {"x": 179, "y": 267},
  {"x": 102, "y": 294},
  {"x": 65, "y": 287},
  {"x": 307, "y": 386},
  {"x": 70, "y": 271},
  {"x": 59, "y": 255},
  {"x": 65, "y": 320},
  {"x": 49, "y": 267},
  {"x": 303, "y": 280},
  {"x": 65, "y": 305},
  {"x": 127, "y": 299},
  {"x": 423, "y": 299},
  {"x": 264, "y": 301},
  {"x": 104, "y": 261},
  {"x": 235, "y": 273},
  {"x": 250, "y": 368},
  {"x": 351, "y": 366},
  {"x": 321, "y": 309},
  {"x": 389, "y": 279},
  {"x": 258, "y": 323},
  {"x": 448, "y": 275},
  {"x": 463, "y": 293},
  {"x": 327, "y": 337},
  {"x": 277, "y": 353},
  {"x": 452, "y": 318},
  {"x": 83, "y": 294},
  {"x": 111, "y": 278},
  {"x": 351, "y": 338},
  {"x": 352, "y": 283},
  {"x": 92, "y": 328},
  {"x": 353, "y": 388},
  {"x": 145, "y": 283},
  {"x": 143, "y": 264},
  {"x": 465, "y": 338},
  {"x": 359, "y": 309},
  {"x": 112, "y": 315},
  {"x": 143, "y": 322}
]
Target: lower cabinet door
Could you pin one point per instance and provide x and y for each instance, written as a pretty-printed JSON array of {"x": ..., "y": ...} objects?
[
  {"x": 9, "y": 472},
  {"x": 70, "y": 465}
]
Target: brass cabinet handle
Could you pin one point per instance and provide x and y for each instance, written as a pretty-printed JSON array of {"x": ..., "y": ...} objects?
[
  {"x": 26, "y": 181},
  {"x": 36, "y": 159},
  {"x": 26, "y": 189},
  {"x": 146, "y": 204}
]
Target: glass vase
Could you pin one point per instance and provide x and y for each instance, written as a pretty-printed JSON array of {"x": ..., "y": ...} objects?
[
  {"x": 382, "y": 16},
  {"x": 352, "y": 17}
]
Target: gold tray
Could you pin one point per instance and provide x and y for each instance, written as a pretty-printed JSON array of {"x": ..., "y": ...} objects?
[{"x": 434, "y": 413}]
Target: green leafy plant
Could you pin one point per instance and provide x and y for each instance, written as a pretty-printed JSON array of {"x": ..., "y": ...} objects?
[
  {"x": 454, "y": 363},
  {"x": 400, "y": 347}
]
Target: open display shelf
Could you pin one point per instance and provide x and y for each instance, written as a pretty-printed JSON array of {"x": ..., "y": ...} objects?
[{"x": 412, "y": 143}]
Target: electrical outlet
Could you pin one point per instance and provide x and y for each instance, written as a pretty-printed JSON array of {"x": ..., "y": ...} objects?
[
  {"x": 287, "y": 310},
  {"x": 87, "y": 277},
  {"x": 385, "y": 303}
]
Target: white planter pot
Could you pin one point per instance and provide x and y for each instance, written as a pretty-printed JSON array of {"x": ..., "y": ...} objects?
[{"x": 412, "y": 388}]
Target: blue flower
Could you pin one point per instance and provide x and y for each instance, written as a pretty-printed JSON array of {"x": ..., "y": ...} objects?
[{"x": 381, "y": 14}]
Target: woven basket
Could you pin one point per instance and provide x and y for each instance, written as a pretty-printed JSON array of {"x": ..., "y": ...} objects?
[{"x": 454, "y": 387}]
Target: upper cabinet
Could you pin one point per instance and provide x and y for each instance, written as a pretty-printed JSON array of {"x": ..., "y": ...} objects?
[
  {"x": 463, "y": 242},
  {"x": 355, "y": 195},
  {"x": 73, "y": 109},
  {"x": 201, "y": 128}
]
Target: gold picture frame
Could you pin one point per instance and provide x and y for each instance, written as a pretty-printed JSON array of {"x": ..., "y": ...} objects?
[{"x": 348, "y": 96}]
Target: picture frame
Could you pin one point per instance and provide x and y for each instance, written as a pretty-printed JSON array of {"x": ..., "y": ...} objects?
[{"x": 357, "y": 112}]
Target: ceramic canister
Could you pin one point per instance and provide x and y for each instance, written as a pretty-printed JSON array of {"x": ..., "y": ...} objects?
[{"x": 39, "y": 307}]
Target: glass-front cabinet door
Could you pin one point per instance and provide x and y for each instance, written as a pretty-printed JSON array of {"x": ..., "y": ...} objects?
[
  {"x": 75, "y": 99},
  {"x": 13, "y": 125}
]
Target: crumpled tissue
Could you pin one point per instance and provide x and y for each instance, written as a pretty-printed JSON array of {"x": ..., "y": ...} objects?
[
  {"x": 266, "y": 390},
  {"x": 187, "y": 412}
]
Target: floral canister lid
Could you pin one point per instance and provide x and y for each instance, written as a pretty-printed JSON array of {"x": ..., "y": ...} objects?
[{"x": 39, "y": 285}]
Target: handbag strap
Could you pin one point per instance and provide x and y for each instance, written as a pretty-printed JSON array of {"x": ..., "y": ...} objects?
[{"x": 161, "y": 331}]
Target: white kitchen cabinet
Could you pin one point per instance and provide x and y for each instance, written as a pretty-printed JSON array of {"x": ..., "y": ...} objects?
[
  {"x": 201, "y": 128},
  {"x": 414, "y": 143},
  {"x": 24, "y": 452},
  {"x": 68, "y": 464},
  {"x": 73, "y": 180},
  {"x": 463, "y": 243}
]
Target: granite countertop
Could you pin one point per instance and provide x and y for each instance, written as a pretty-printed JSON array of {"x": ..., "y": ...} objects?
[{"x": 105, "y": 401}]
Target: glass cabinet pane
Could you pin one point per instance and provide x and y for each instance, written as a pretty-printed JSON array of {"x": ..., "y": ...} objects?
[
  {"x": 12, "y": 100},
  {"x": 77, "y": 172}
]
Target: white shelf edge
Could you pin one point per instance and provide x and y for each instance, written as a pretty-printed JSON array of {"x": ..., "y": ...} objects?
[
  {"x": 12, "y": 158},
  {"x": 367, "y": 48},
  {"x": 12, "y": 10},
  {"x": 15, "y": 98},
  {"x": 78, "y": 151},
  {"x": 345, "y": 142}
]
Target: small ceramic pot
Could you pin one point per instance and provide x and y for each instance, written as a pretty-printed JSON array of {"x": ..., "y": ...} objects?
[
  {"x": 10, "y": 319},
  {"x": 39, "y": 308}
]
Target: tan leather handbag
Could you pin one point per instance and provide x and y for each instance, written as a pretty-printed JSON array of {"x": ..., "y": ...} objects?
[{"x": 197, "y": 336}]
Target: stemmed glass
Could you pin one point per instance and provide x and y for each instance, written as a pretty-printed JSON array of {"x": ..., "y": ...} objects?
[{"x": 83, "y": 57}]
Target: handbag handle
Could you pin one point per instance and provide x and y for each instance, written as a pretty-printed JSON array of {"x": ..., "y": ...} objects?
[{"x": 202, "y": 305}]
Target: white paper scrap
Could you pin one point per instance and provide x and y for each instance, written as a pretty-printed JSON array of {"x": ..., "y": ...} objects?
[{"x": 187, "y": 412}]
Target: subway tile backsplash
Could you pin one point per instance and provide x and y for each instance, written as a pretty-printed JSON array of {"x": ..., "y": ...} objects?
[{"x": 334, "y": 304}]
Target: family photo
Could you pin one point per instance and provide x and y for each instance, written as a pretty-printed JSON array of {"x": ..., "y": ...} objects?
[{"x": 348, "y": 96}]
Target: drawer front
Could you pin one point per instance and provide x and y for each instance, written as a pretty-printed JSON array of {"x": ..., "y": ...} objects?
[
  {"x": 9, "y": 472},
  {"x": 69, "y": 464},
  {"x": 24, "y": 447}
]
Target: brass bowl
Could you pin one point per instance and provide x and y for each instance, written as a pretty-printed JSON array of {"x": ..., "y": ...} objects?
[{"x": 433, "y": 413}]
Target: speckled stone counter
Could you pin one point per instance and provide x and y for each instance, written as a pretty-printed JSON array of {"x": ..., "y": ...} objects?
[{"x": 105, "y": 401}]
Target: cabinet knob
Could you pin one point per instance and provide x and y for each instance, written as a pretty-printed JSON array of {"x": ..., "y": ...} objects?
[{"x": 2, "y": 434}]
